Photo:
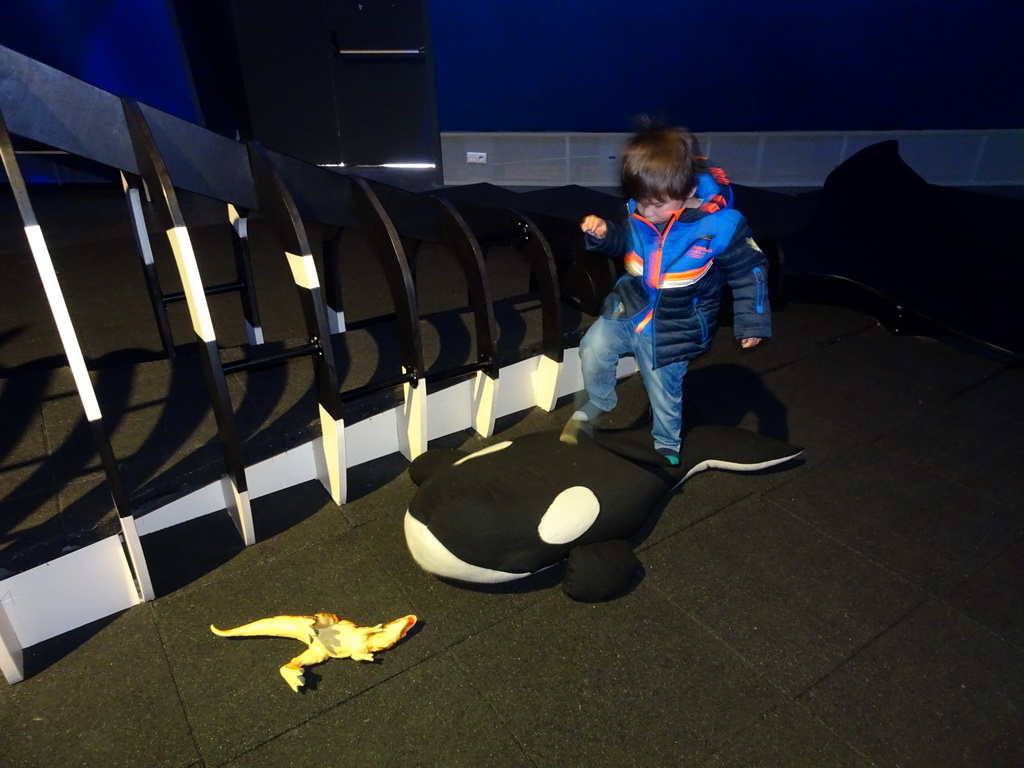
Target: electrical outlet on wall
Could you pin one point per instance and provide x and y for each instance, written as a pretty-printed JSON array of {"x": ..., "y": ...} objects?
[{"x": 476, "y": 157}]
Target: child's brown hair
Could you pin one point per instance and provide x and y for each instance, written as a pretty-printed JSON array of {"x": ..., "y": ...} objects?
[{"x": 659, "y": 163}]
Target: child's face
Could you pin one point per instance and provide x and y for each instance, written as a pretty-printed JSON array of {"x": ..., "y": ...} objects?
[{"x": 659, "y": 212}]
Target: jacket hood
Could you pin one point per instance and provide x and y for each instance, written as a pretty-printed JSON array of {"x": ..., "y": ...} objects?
[{"x": 713, "y": 190}]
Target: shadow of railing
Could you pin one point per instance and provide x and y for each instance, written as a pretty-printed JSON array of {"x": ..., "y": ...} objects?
[{"x": 190, "y": 433}]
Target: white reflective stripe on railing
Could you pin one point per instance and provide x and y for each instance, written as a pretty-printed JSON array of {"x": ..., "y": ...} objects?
[
  {"x": 139, "y": 222},
  {"x": 303, "y": 271},
  {"x": 240, "y": 223},
  {"x": 59, "y": 309},
  {"x": 192, "y": 284}
]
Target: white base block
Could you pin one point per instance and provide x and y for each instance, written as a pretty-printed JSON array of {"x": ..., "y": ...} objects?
[
  {"x": 484, "y": 400},
  {"x": 69, "y": 592},
  {"x": 133, "y": 544},
  {"x": 238, "y": 506},
  {"x": 96, "y": 581},
  {"x": 517, "y": 391},
  {"x": 254, "y": 333},
  {"x": 412, "y": 421},
  {"x": 372, "y": 438},
  {"x": 450, "y": 409},
  {"x": 11, "y": 659},
  {"x": 571, "y": 378},
  {"x": 330, "y": 457},
  {"x": 294, "y": 466},
  {"x": 335, "y": 320},
  {"x": 203, "y": 501}
]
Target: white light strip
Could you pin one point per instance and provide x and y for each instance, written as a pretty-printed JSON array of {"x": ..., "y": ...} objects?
[
  {"x": 405, "y": 166},
  {"x": 239, "y": 222},
  {"x": 139, "y": 223},
  {"x": 192, "y": 283},
  {"x": 59, "y": 309},
  {"x": 303, "y": 271}
]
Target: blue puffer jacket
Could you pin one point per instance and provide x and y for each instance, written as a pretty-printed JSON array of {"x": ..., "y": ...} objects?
[{"x": 674, "y": 279}]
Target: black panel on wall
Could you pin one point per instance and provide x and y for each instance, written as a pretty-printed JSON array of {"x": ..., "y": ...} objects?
[
  {"x": 207, "y": 34},
  {"x": 286, "y": 53},
  {"x": 327, "y": 81},
  {"x": 384, "y": 81}
]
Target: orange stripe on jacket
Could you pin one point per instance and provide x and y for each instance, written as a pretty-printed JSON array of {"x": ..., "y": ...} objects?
[
  {"x": 635, "y": 266},
  {"x": 647, "y": 318},
  {"x": 679, "y": 279}
]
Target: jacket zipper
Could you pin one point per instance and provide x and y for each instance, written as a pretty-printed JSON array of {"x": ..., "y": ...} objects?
[
  {"x": 759, "y": 277},
  {"x": 661, "y": 237},
  {"x": 701, "y": 319},
  {"x": 661, "y": 245}
]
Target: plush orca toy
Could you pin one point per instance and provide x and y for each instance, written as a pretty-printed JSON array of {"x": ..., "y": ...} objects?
[{"x": 520, "y": 506}]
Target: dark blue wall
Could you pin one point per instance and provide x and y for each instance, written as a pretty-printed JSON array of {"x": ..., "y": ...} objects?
[
  {"x": 744, "y": 65},
  {"x": 127, "y": 47},
  {"x": 591, "y": 65}
]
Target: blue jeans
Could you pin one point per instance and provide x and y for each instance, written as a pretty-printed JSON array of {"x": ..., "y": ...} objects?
[{"x": 600, "y": 349}]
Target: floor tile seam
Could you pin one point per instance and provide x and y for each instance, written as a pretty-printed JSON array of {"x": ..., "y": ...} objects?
[
  {"x": 859, "y": 441},
  {"x": 953, "y": 608},
  {"x": 923, "y": 598},
  {"x": 348, "y": 700},
  {"x": 818, "y": 348},
  {"x": 302, "y": 722},
  {"x": 33, "y": 463},
  {"x": 203, "y": 581},
  {"x": 174, "y": 678},
  {"x": 482, "y": 695},
  {"x": 945, "y": 600},
  {"x": 942, "y": 598},
  {"x": 23, "y": 492},
  {"x": 736, "y": 737},
  {"x": 747, "y": 663},
  {"x": 968, "y": 489},
  {"x": 808, "y": 689},
  {"x": 949, "y": 399},
  {"x": 998, "y": 372},
  {"x": 939, "y": 396},
  {"x": 926, "y": 593},
  {"x": 31, "y": 495},
  {"x": 646, "y": 544},
  {"x": 805, "y": 712},
  {"x": 456, "y": 641}
]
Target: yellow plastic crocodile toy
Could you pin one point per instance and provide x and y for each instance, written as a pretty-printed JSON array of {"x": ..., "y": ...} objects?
[{"x": 328, "y": 637}]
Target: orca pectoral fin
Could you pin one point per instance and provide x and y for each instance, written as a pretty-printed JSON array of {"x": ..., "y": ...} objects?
[{"x": 600, "y": 571}]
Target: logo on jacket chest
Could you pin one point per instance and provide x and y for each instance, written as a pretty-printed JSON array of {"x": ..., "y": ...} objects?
[{"x": 700, "y": 249}]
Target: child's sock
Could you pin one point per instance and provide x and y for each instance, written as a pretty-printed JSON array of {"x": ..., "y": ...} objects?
[
  {"x": 671, "y": 456},
  {"x": 584, "y": 419},
  {"x": 588, "y": 412}
]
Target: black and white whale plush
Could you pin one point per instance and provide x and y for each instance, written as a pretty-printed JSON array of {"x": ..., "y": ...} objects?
[{"x": 520, "y": 506}]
